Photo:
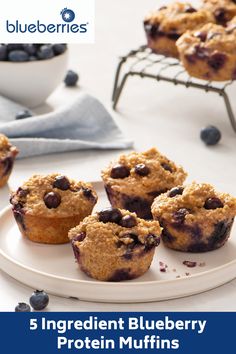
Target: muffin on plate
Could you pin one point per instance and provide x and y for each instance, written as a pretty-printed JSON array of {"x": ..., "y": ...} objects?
[
  {"x": 164, "y": 26},
  {"x": 115, "y": 245},
  {"x": 222, "y": 10},
  {"x": 8, "y": 154},
  {"x": 134, "y": 180},
  {"x": 210, "y": 52},
  {"x": 47, "y": 207},
  {"x": 195, "y": 218}
]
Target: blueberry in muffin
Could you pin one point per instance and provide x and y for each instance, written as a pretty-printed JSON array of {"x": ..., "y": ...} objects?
[
  {"x": 115, "y": 245},
  {"x": 8, "y": 154},
  {"x": 195, "y": 218},
  {"x": 210, "y": 52},
  {"x": 222, "y": 10},
  {"x": 134, "y": 180},
  {"x": 164, "y": 26},
  {"x": 47, "y": 207}
]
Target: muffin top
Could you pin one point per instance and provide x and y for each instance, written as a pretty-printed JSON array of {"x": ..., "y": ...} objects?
[
  {"x": 116, "y": 231},
  {"x": 149, "y": 171},
  {"x": 6, "y": 149},
  {"x": 209, "y": 40},
  {"x": 178, "y": 17},
  {"x": 53, "y": 195},
  {"x": 223, "y": 10},
  {"x": 194, "y": 203}
]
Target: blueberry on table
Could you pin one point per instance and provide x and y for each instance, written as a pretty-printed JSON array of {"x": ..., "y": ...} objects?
[
  {"x": 210, "y": 135},
  {"x": 45, "y": 52},
  {"x": 39, "y": 300},
  {"x": 22, "y": 307},
  {"x": 18, "y": 56},
  {"x": 23, "y": 114},
  {"x": 71, "y": 78}
]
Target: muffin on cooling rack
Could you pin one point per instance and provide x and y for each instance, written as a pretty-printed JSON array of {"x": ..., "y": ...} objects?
[
  {"x": 164, "y": 26},
  {"x": 222, "y": 10},
  {"x": 47, "y": 207},
  {"x": 134, "y": 180},
  {"x": 115, "y": 245},
  {"x": 210, "y": 52},
  {"x": 8, "y": 154},
  {"x": 195, "y": 218}
]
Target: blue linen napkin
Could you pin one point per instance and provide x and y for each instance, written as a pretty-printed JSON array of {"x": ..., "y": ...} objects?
[{"x": 83, "y": 124}]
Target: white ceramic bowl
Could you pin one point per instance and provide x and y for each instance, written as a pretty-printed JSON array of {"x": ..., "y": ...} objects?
[{"x": 30, "y": 83}]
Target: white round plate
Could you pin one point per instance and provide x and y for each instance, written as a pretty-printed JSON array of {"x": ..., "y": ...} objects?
[{"x": 53, "y": 268}]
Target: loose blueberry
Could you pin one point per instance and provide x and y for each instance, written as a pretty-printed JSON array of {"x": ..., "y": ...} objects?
[
  {"x": 110, "y": 215},
  {"x": 18, "y": 56},
  {"x": 3, "y": 52},
  {"x": 52, "y": 200},
  {"x": 120, "y": 171},
  {"x": 61, "y": 182},
  {"x": 175, "y": 191},
  {"x": 166, "y": 167},
  {"x": 128, "y": 221},
  {"x": 39, "y": 300},
  {"x": 22, "y": 307},
  {"x": 210, "y": 135},
  {"x": 45, "y": 52},
  {"x": 23, "y": 114},
  {"x": 71, "y": 78},
  {"x": 142, "y": 170},
  {"x": 213, "y": 203},
  {"x": 59, "y": 48}
]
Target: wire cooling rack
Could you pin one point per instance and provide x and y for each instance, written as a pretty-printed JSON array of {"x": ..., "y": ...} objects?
[{"x": 144, "y": 63}]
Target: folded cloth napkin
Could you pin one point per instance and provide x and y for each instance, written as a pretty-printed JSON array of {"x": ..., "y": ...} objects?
[{"x": 83, "y": 124}]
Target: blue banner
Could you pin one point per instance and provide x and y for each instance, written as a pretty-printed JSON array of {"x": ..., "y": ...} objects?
[{"x": 182, "y": 333}]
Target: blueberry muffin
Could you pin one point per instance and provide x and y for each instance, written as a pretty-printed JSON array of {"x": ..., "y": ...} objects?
[
  {"x": 115, "y": 245},
  {"x": 47, "y": 207},
  {"x": 209, "y": 53},
  {"x": 195, "y": 218},
  {"x": 164, "y": 26},
  {"x": 133, "y": 181},
  {"x": 8, "y": 154},
  {"x": 222, "y": 10}
]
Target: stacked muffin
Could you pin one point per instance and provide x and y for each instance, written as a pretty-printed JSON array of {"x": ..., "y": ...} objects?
[{"x": 203, "y": 39}]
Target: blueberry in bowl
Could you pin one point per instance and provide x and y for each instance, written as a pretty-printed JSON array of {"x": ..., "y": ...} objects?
[{"x": 31, "y": 72}]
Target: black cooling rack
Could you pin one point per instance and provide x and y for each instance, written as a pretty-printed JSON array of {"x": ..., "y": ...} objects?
[{"x": 146, "y": 64}]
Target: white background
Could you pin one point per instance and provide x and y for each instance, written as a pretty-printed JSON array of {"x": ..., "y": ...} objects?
[{"x": 153, "y": 114}]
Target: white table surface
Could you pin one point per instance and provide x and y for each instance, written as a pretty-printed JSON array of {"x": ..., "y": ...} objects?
[{"x": 152, "y": 114}]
